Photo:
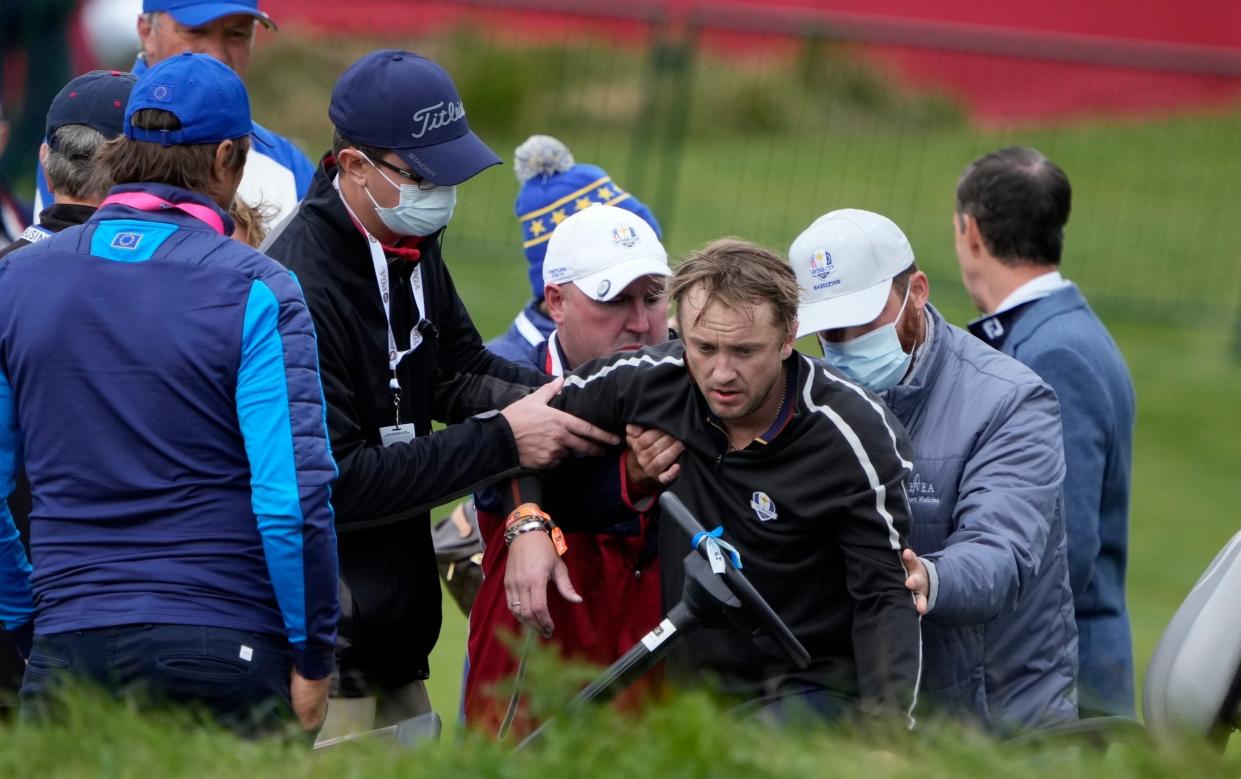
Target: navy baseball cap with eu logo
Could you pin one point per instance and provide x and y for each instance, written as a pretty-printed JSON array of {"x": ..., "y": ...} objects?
[
  {"x": 202, "y": 92},
  {"x": 397, "y": 100},
  {"x": 193, "y": 13},
  {"x": 96, "y": 99}
]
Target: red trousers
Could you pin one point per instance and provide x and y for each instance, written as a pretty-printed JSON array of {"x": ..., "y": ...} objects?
[{"x": 620, "y": 604}]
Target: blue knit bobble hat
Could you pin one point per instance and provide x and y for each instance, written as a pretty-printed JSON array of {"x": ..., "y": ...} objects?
[{"x": 554, "y": 187}]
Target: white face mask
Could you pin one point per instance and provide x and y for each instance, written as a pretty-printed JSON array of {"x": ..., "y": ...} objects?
[
  {"x": 419, "y": 211},
  {"x": 875, "y": 360}
]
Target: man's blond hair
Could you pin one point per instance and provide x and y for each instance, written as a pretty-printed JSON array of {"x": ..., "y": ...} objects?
[{"x": 739, "y": 274}]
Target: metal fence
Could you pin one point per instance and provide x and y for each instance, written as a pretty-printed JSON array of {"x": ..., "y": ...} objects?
[{"x": 753, "y": 119}]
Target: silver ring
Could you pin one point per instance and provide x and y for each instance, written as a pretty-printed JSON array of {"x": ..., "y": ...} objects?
[{"x": 514, "y": 604}]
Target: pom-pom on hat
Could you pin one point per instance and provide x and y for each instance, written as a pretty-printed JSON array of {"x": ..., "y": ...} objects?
[{"x": 553, "y": 188}]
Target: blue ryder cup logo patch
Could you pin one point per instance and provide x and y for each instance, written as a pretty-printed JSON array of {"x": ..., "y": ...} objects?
[
  {"x": 128, "y": 241},
  {"x": 161, "y": 92},
  {"x": 821, "y": 265},
  {"x": 624, "y": 235},
  {"x": 764, "y": 507}
]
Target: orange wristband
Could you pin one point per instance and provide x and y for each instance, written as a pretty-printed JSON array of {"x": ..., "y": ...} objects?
[
  {"x": 526, "y": 511},
  {"x": 558, "y": 541},
  {"x": 532, "y": 511}
]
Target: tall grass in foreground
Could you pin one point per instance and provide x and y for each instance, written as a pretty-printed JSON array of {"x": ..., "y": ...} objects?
[{"x": 683, "y": 737}]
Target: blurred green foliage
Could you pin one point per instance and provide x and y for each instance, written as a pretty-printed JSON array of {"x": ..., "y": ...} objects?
[{"x": 683, "y": 738}]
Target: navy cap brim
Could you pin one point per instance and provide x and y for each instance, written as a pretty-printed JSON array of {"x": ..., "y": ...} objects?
[
  {"x": 451, "y": 162},
  {"x": 202, "y": 13}
]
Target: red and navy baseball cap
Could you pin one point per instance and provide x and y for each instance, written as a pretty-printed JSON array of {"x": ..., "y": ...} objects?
[
  {"x": 96, "y": 99},
  {"x": 397, "y": 100},
  {"x": 202, "y": 92},
  {"x": 197, "y": 12}
]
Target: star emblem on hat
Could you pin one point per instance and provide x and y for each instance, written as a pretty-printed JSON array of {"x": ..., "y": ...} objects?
[
  {"x": 537, "y": 228},
  {"x": 583, "y": 203},
  {"x": 558, "y": 216},
  {"x": 605, "y": 193}
]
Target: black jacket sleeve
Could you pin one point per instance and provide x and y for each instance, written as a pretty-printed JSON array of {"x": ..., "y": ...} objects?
[
  {"x": 593, "y": 392},
  {"x": 379, "y": 484},
  {"x": 459, "y": 396},
  {"x": 887, "y": 633}
]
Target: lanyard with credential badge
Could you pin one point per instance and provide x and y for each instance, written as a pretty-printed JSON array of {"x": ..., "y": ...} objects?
[
  {"x": 395, "y": 355},
  {"x": 398, "y": 433}
]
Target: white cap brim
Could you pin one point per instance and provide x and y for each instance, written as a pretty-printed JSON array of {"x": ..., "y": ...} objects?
[
  {"x": 603, "y": 285},
  {"x": 856, "y": 308}
]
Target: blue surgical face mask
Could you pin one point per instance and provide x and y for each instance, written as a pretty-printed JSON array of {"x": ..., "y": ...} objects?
[
  {"x": 875, "y": 360},
  {"x": 419, "y": 211}
]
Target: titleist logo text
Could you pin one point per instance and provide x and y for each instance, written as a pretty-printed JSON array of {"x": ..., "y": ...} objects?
[{"x": 436, "y": 116}]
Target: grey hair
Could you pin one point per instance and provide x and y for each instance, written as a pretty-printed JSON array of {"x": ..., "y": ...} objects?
[
  {"x": 70, "y": 164},
  {"x": 152, "y": 18}
]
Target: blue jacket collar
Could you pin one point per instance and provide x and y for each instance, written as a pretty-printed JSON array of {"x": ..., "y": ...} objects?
[
  {"x": 997, "y": 330},
  {"x": 172, "y": 195}
]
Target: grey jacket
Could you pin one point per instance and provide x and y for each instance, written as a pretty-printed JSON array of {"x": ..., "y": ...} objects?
[{"x": 1000, "y": 644}]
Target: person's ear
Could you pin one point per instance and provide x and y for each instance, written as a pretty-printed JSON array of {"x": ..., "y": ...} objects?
[
  {"x": 787, "y": 347},
  {"x": 555, "y": 298},
  {"x": 972, "y": 235},
  {"x": 224, "y": 178},
  {"x": 919, "y": 290},
  {"x": 45, "y": 150},
  {"x": 352, "y": 166}
]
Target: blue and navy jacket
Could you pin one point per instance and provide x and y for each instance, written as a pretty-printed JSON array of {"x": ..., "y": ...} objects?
[
  {"x": 160, "y": 383},
  {"x": 277, "y": 173},
  {"x": 1063, "y": 341}
]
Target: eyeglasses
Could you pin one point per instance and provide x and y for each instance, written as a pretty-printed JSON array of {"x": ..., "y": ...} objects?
[{"x": 408, "y": 175}]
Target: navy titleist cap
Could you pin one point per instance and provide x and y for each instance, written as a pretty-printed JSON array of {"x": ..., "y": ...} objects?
[
  {"x": 195, "y": 12},
  {"x": 202, "y": 92},
  {"x": 96, "y": 99},
  {"x": 398, "y": 100}
]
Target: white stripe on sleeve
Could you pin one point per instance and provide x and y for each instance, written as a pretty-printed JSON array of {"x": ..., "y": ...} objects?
[
  {"x": 862, "y": 394},
  {"x": 628, "y": 362},
  {"x": 859, "y": 451}
]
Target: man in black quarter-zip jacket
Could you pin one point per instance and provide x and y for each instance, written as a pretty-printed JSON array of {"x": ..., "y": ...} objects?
[{"x": 804, "y": 470}]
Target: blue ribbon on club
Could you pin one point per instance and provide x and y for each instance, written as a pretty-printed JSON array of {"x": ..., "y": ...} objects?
[{"x": 716, "y": 537}]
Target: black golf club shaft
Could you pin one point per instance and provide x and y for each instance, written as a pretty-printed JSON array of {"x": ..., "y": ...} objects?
[{"x": 653, "y": 647}]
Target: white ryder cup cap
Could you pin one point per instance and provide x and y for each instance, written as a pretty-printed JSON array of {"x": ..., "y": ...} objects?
[
  {"x": 845, "y": 262},
  {"x": 602, "y": 249}
]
